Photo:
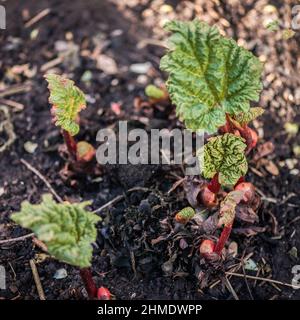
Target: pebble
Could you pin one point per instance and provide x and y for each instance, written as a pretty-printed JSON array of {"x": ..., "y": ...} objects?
[
  {"x": 60, "y": 274},
  {"x": 30, "y": 147},
  {"x": 144, "y": 207},
  {"x": 140, "y": 68}
]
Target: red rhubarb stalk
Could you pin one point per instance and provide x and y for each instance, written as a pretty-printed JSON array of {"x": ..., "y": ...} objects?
[
  {"x": 214, "y": 185},
  {"x": 223, "y": 238},
  {"x": 89, "y": 283},
  {"x": 70, "y": 143}
]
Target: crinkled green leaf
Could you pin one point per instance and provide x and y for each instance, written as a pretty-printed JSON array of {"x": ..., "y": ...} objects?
[
  {"x": 224, "y": 155},
  {"x": 67, "y": 101},
  {"x": 248, "y": 116},
  {"x": 67, "y": 229},
  {"x": 209, "y": 75}
]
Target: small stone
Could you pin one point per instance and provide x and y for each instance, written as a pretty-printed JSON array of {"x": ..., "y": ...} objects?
[
  {"x": 145, "y": 207},
  {"x": 142, "y": 79},
  {"x": 291, "y": 128},
  {"x": 87, "y": 76},
  {"x": 107, "y": 64},
  {"x": 233, "y": 249},
  {"x": 293, "y": 252},
  {"x": 30, "y": 147},
  {"x": 296, "y": 150},
  {"x": 290, "y": 163},
  {"x": 140, "y": 68},
  {"x": 60, "y": 274},
  {"x": 294, "y": 172},
  {"x": 183, "y": 244},
  {"x": 250, "y": 265}
]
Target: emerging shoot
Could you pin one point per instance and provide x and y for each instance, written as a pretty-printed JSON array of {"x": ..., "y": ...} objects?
[{"x": 67, "y": 101}]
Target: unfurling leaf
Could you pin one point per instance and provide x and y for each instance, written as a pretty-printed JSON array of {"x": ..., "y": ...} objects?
[
  {"x": 209, "y": 75},
  {"x": 184, "y": 215},
  {"x": 248, "y": 116},
  {"x": 228, "y": 207},
  {"x": 154, "y": 92},
  {"x": 66, "y": 229},
  {"x": 67, "y": 101},
  {"x": 224, "y": 155}
]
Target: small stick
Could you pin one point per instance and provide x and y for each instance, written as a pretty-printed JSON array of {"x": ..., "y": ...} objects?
[
  {"x": 17, "y": 239},
  {"x": 37, "y": 173},
  {"x": 15, "y": 89},
  {"x": 16, "y": 105},
  {"x": 51, "y": 64},
  {"x": 37, "y": 280},
  {"x": 39, "y": 244},
  {"x": 230, "y": 288},
  {"x": 262, "y": 279},
  {"x": 37, "y": 17}
]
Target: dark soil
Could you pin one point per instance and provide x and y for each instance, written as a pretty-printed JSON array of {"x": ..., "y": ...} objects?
[{"x": 126, "y": 259}]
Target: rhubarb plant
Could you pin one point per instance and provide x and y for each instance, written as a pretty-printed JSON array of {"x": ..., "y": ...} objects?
[
  {"x": 67, "y": 230},
  {"x": 212, "y": 81},
  {"x": 210, "y": 76},
  {"x": 67, "y": 101}
]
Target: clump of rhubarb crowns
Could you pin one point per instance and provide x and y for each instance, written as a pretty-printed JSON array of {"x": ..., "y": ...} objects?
[{"x": 212, "y": 81}]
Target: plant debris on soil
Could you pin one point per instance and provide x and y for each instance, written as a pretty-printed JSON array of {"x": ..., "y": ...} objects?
[{"x": 111, "y": 49}]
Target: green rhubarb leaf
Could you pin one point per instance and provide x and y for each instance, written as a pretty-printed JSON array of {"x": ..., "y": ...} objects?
[
  {"x": 224, "y": 155},
  {"x": 248, "y": 116},
  {"x": 209, "y": 75},
  {"x": 67, "y": 101},
  {"x": 66, "y": 229}
]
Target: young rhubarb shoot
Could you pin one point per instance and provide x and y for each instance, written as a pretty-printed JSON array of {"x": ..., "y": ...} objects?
[
  {"x": 67, "y": 230},
  {"x": 67, "y": 101}
]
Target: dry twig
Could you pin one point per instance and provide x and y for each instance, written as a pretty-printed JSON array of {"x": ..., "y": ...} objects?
[
  {"x": 37, "y": 17},
  {"x": 261, "y": 279},
  {"x": 16, "y": 239},
  {"x": 37, "y": 173},
  {"x": 37, "y": 280}
]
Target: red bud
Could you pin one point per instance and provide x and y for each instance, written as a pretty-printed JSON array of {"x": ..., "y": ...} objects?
[
  {"x": 207, "y": 247},
  {"x": 248, "y": 189},
  {"x": 208, "y": 198},
  {"x": 103, "y": 294}
]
